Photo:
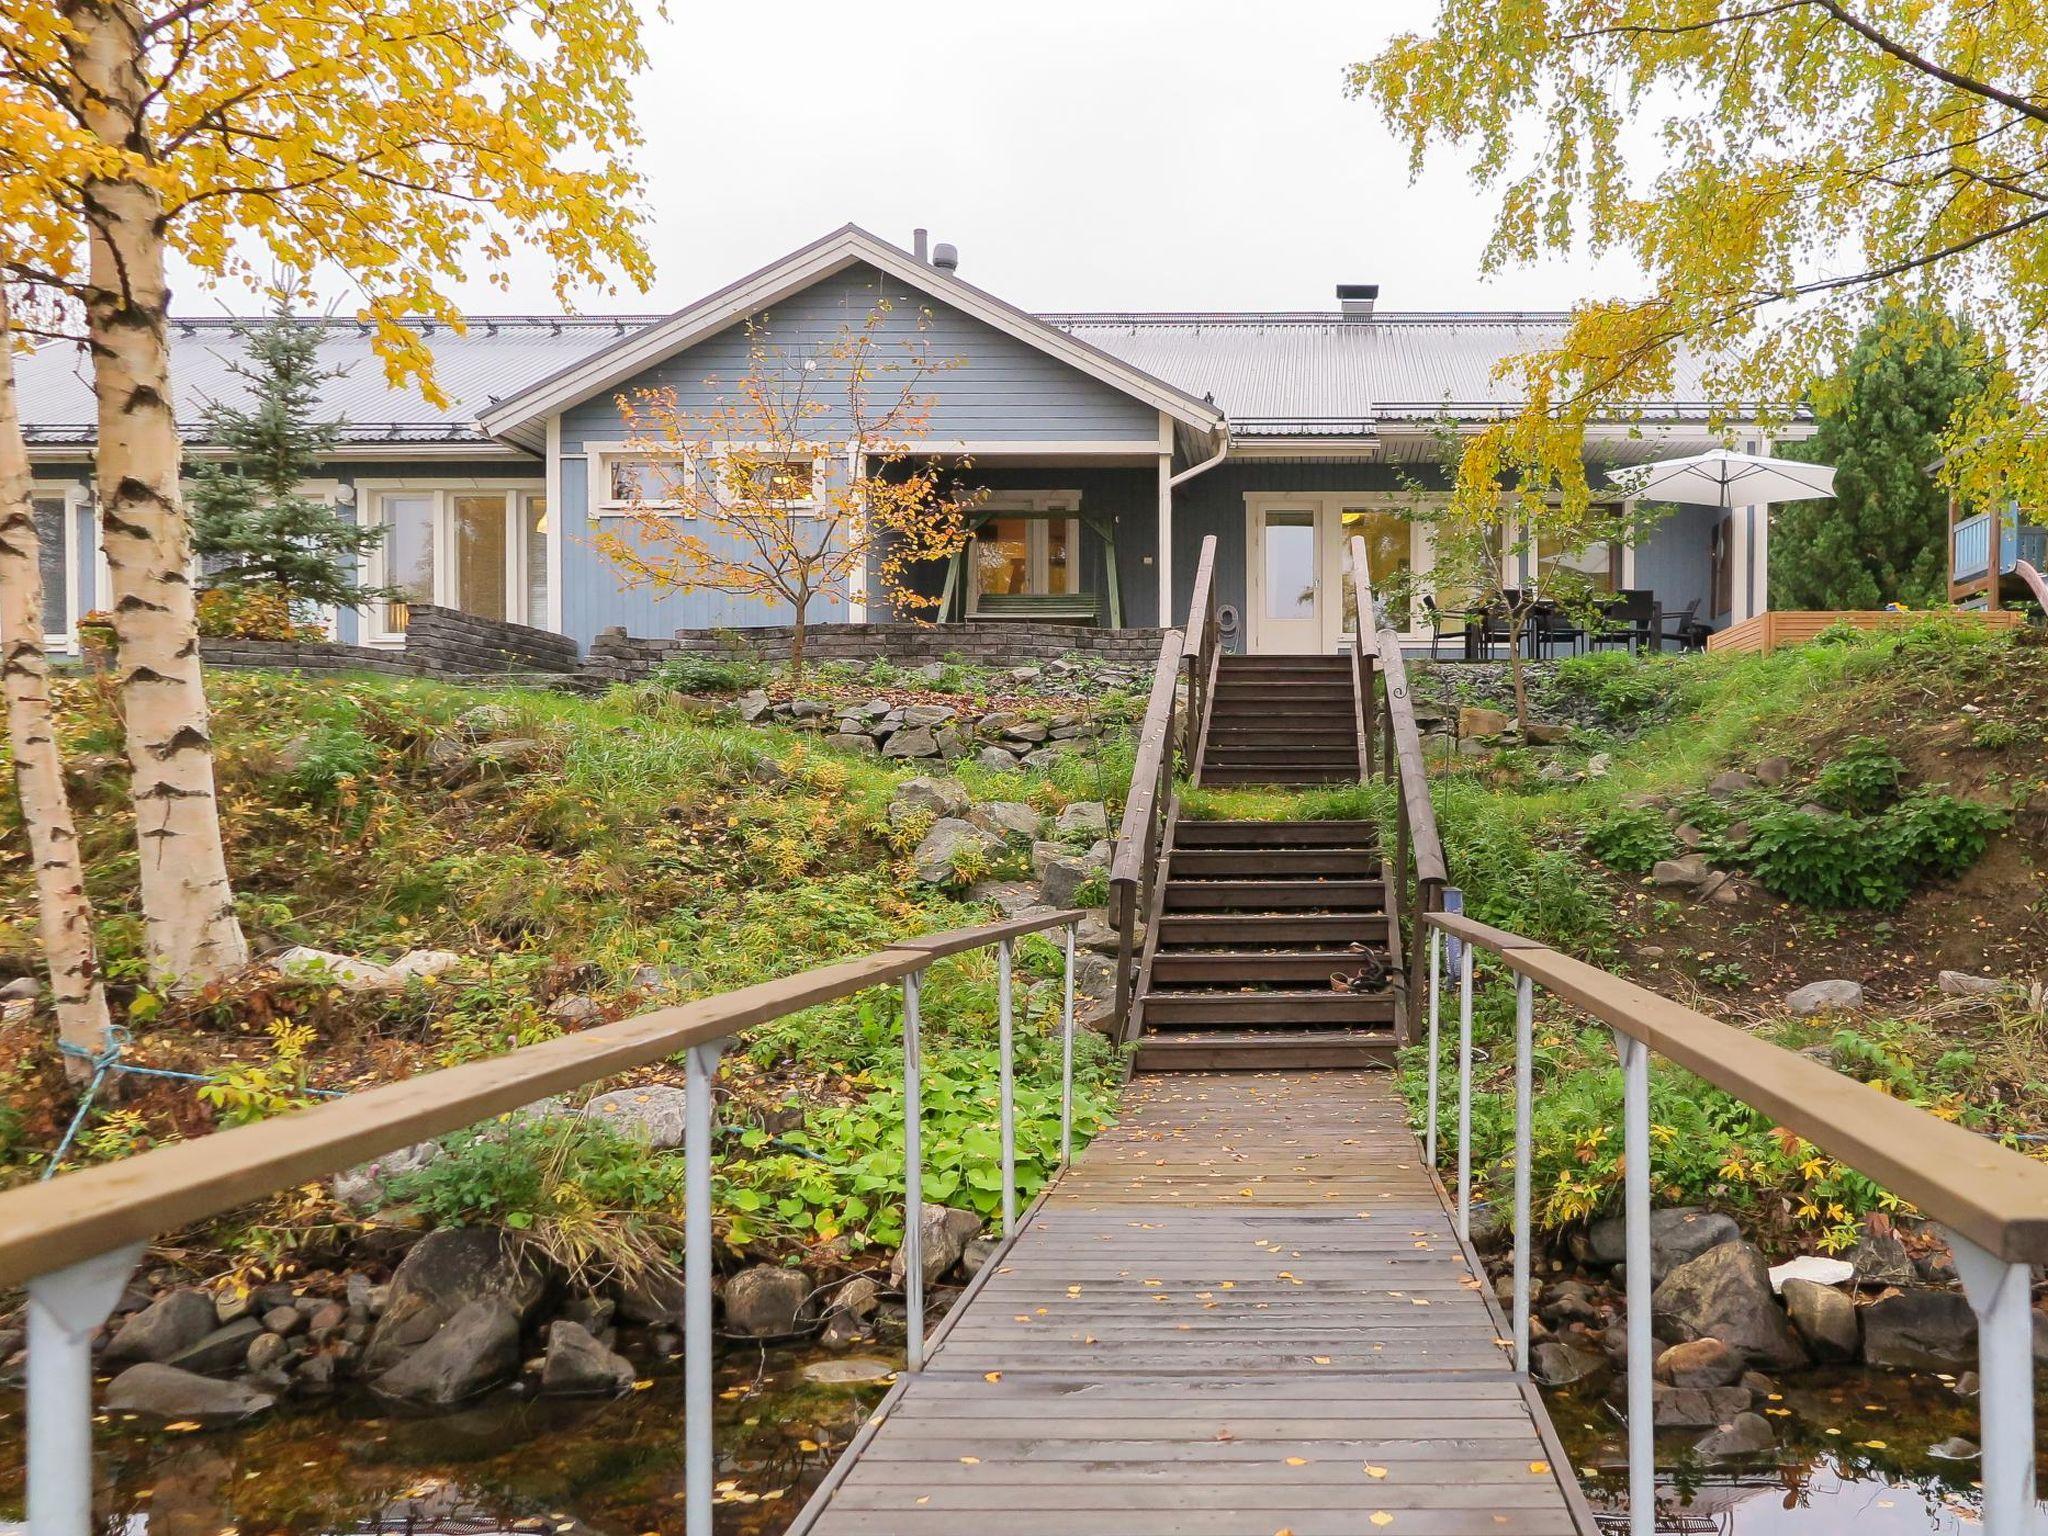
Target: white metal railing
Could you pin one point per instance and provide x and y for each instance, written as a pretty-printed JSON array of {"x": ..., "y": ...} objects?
[
  {"x": 75, "y": 1240},
  {"x": 1991, "y": 1203}
]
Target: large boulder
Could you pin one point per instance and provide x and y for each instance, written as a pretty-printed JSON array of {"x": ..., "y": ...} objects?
[
  {"x": 911, "y": 741},
  {"x": 937, "y": 797},
  {"x": 577, "y": 1365},
  {"x": 1747, "y": 1434},
  {"x": 1699, "y": 1363},
  {"x": 1677, "y": 1233},
  {"x": 1064, "y": 878},
  {"x": 939, "y": 857},
  {"x": 1725, "y": 1294},
  {"x": 1011, "y": 820},
  {"x": 1828, "y": 996},
  {"x": 471, "y": 1352},
  {"x": 1698, "y": 1407},
  {"x": 167, "y": 1326},
  {"x": 766, "y": 1301},
  {"x": 1825, "y": 1318},
  {"x": 945, "y": 1233},
  {"x": 165, "y": 1392},
  {"x": 443, "y": 1273},
  {"x": 1556, "y": 1363},
  {"x": 1921, "y": 1331},
  {"x": 1088, "y": 819},
  {"x": 223, "y": 1350},
  {"x": 1880, "y": 1259},
  {"x": 302, "y": 962},
  {"x": 1688, "y": 870},
  {"x": 1476, "y": 721},
  {"x": 652, "y": 1297},
  {"x": 651, "y": 1112}
]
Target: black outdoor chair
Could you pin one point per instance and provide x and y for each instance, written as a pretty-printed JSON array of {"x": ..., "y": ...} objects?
[
  {"x": 1441, "y": 619},
  {"x": 1549, "y": 627},
  {"x": 1629, "y": 619},
  {"x": 1685, "y": 627}
]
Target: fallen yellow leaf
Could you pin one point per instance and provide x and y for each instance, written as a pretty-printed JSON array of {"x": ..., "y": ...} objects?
[
  {"x": 1373, "y": 1471},
  {"x": 1539, "y": 1467}
]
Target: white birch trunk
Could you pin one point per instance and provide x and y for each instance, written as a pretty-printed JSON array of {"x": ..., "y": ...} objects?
[
  {"x": 187, "y": 903},
  {"x": 63, "y": 909}
]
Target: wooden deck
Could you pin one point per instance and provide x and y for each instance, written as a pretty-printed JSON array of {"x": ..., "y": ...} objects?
[{"x": 1244, "y": 1310}]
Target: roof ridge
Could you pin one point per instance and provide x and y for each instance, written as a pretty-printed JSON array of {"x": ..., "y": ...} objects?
[
  {"x": 1308, "y": 317},
  {"x": 231, "y": 322}
]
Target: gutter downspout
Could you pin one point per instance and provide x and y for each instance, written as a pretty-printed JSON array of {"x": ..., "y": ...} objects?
[
  {"x": 1207, "y": 464},
  {"x": 1168, "y": 482}
]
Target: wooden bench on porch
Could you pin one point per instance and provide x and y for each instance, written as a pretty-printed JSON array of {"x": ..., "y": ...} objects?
[{"x": 1081, "y": 608}]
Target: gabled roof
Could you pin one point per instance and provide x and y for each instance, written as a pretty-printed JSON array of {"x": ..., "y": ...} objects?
[
  {"x": 469, "y": 365},
  {"x": 520, "y": 417}
]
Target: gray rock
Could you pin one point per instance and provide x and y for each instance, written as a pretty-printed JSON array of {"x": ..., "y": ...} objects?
[
  {"x": 945, "y": 1233},
  {"x": 165, "y": 1392},
  {"x": 473, "y": 1351},
  {"x": 419, "y": 964},
  {"x": 1825, "y": 1318},
  {"x": 1699, "y": 1363},
  {"x": 577, "y": 1365},
  {"x": 1063, "y": 878},
  {"x": 911, "y": 741},
  {"x": 23, "y": 989},
  {"x": 1688, "y": 870},
  {"x": 1025, "y": 730},
  {"x": 1040, "y": 761},
  {"x": 765, "y": 1301},
  {"x": 575, "y": 1011},
  {"x": 284, "y": 1320},
  {"x": 267, "y": 1351},
  {"x": 166, "y": 1326},
  {"x": 808, "y": 709},
  {"x": 996, "y": 760},
  {"x": 1880, "y": 1259},
  {"x": 937, "y": 858},
  {"x": 1084, "y": 818},
  {"x": 652, "y": 1297},
  {"x": 650, "y": 1112},
  {"x": 221, "y": 1351},
  {"x": 1725, "y": 1294},
  {"x": 752, "y": 706},
  {"x": 1557, "y": 1364},
  {"x": 1012, "y": 897},
  {"x": 1773, "y": 770},
  {"x": 1823, "y": 996},
  {"x": 1677, "y": 1233},
  {"x": 857, "y": 1298},
  {"x": 324, "y": 967},
  {"x": 1727, "y": 785},
  {"x": 445, "y": 1272},
  {"x": 927, "y": 714},
  {"x": 1009, "y": 819},
  {"x": 1698, "y": 1407},
  {"x": 363, "y": 1186},
  {"x": 1747, "y": 1434},
  {"x": 1599, "y": 765},
  {"x": 940, "y": 797},
  {"x": 1964, "y": 984},
  {"x": 857, "y": 742},
  {"x": 1920, "y": 1331}
]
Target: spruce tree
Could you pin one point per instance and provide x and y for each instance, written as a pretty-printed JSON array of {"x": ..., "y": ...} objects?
[
  {"x": 253, "y": 526},
  {"x": 1880, "y": 420}
]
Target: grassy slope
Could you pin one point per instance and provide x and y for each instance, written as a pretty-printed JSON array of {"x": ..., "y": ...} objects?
[{"x": 640, "y": 832}]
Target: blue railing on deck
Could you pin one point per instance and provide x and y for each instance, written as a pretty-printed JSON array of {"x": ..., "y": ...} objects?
[{"x": 1970, "y": 545}]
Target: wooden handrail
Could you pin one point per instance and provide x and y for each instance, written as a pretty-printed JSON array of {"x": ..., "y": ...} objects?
[
  {"x": 1412, "y": 775},
  {"x": 1155, "y": 739},
  {"x": 1984, "y": 1192},
  {"x": 96, "y": 1210}
]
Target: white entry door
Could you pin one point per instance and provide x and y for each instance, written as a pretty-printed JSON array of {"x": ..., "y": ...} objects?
[{"x": 1286, "y": 587}]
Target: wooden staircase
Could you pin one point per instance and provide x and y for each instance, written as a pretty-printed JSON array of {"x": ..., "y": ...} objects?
[
  {"x": 1253, "y": 918},
  {"x": 1282, "y": 720}
]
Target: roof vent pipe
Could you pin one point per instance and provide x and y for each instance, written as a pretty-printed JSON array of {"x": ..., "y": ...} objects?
[
  {"x": 920, "y": 242},
  {"x": 1355, "y": 300},
  {"x": 946, "y": 257}
]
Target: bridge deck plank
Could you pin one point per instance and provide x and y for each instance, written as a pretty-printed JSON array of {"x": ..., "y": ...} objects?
[{"x": 1243, "y": 1310}]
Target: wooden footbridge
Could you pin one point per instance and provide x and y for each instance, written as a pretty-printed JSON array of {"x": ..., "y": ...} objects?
[{"x": 1249, "y": 1309}]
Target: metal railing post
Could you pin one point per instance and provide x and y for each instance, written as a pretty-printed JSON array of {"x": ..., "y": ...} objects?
[
  {"x": 699, "y": 1466},
  {"x": 1524, "y": 1010},
  {"x": 1067, "y": 1055},
  {"x": 1006, "y": 1031},
  {"x": 1465, "y": 1092},
  {"x": 1999, "y": 1294},
  {"x": 1436, "y": 958},
  {"x": 64, "y": 1307},
  {"x": 913, "y": 1181},
  {"x": 1642, "y": 1411}
]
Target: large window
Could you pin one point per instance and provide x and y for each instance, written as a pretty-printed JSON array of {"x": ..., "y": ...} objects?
[
  {"x": 1599, "y": 564},
  {"x": 473, "y": 546},
  {"x": 639, "y": 480},
  {"x": 1018, "y": 556},
  {"x": 53, "y": 548}
]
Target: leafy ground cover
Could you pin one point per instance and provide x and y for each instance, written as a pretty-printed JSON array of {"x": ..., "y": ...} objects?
[{"x": 614, "y": 852}]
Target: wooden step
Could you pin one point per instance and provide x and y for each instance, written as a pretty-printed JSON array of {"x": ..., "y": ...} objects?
[
  {"x": 1190, "y": 1010},
  {"x": 1225, "y": 863},
  {"x": 1237, "y": 756},
  {"x": 1182, "y": 968},
  {"x": 1275, "y": 1051},
  {"x": 1272, "y": 662},
  {"x": 1290, "y": 930},
  {"x": 1244, "y": 731},
  {"x": 1295, "y": 691},
  {"x": 1269, "y": 706},
  {"x": 1279, "y": 778},
  {"x": 1275, "y": 896},
  {"x": 1269, "y": 834}
]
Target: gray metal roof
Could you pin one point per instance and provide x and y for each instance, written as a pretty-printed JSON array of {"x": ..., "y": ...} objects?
[
  {"x": 494, "y": 356},
  {"x": 1286, "y": 375},
  {"x": 1321, "y": 375}
]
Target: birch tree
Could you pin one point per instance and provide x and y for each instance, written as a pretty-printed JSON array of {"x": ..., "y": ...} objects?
[
  {"x": 1782, "y": 171},
  {"x": 64, "y": 911},
  {"x": 398, "y": 148}
]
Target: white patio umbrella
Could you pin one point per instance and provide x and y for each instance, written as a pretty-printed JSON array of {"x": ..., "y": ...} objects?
[{"x": 1719, "y": 478}]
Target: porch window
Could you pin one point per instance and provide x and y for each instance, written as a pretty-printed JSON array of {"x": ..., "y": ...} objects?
[
  {"x": 1027, "y": 557},
  {"x": 642, "y": 480},
  {"x": 1599, "y": 564},
  {"x": 1389, "y": 557},
  {"x": 479, "y": 549},
  {"x": 785, "y": 482},
  {"x": 53, "y": 547}
]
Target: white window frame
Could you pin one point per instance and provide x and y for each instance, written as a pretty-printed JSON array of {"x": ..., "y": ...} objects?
[
  {"x": 75, "y": 498},
  {"x": 519, "y": 495},
  {"x": 1037, "y": 543},
  {"x": 600, "y": 458},
  {"x": 1329, "y": 508}
]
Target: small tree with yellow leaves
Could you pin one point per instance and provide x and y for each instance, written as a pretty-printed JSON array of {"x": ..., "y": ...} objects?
[{"x": 797, "y": 481}]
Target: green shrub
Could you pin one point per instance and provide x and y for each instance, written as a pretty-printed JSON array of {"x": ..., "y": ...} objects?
[
  {"x": 1828, "y": 860},
  {"x": 1938, "y": 836},
  {"x": 693, "y": 673},
  {"x": 1864, "y": 778},
  {"x": 1994, "y": 735},
  {"x": 331, "y": 758},
  {"x": 1631, "y": 838},
  {"x": 1621, "y": 685}
]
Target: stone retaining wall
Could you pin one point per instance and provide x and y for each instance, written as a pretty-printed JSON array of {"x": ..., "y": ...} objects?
[
  {"x": 616, "y": 656},
  {"x": 439, "y": 642}
]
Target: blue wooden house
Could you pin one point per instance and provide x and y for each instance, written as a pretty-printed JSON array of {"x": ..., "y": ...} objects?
[{"x": 1109, "y": 445}]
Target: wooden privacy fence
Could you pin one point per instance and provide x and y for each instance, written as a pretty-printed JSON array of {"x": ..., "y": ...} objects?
[
  {"x": 1793, "y": 626},
  {"x": 1992, "y": 1202},
  {"x": 74, "y": 1240}
]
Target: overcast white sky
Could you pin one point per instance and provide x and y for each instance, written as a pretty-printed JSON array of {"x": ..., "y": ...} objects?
[{"x": 1083, "y": 154}]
